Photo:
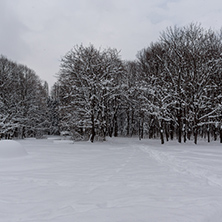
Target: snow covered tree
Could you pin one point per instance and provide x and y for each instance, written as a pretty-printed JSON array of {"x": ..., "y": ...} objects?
[
  {"x": 193, "y": 61},
  {"x": 89, "y": 80},
  {"x": 22, "y": 101},
  {"x": 156, "y": 90},
  {"x": 53, "y": 110},
  {"x": 181, "y": 69}
]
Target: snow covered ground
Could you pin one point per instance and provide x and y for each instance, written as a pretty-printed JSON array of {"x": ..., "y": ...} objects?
[{"x": 121, "y": 180}]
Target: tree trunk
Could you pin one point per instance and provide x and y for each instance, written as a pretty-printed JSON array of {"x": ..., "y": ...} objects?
[
  {"x": 184, "y": 135},
  {"x": 215, "y": 134},
  {"x": 184, "y": 130},
  {"x": 208, "y": 134},
  {"x": 161, "y": 136},
  {"x": 195, "y": 129},
  {"x": 142, "y": 130},
  {"x": 189, "y": 133},
  {"x": 195, "y": 135},
  {"x": 167, "y": 131},
  {"x": 128, "y": 123},
  {"x": 180, "y": 125},
  {"x": 221, "y": 134},
  {"x": 161, "y": 133},
  {"x": 171, "y": 130},
  {"x": 110, "y": 131},
  {"x": 115, "y": 125},
  {"x": 141, "y": 120},
  {"x": 92, "y": 136},
  {"x": 132, "y": 123}
]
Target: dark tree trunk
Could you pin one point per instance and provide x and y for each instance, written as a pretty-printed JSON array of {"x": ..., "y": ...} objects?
[
  {"x": 92, "y": 136},
  {"x": 180, "y": 124},
  {"x": 139, "y": 130},
  {"x": 189, "y": 134},
  {"x": 115, "y": 125},
  {"x": 208, "y": 135},
  {"x": 167, "y": 131},
  {"x": 110, "y": 131},
  {"x": 161, "y": 136},
  {"x": 142, "y": 131},
  {"x": 215, "y": 134},
  {"x": 220, "y": 134},
  {"x": 184, "y": 135},
  {"x": 161, "y": 133},
  {"x": 171, "y": 130},
  {"x": 132, "y": 123},
  {"x": 141, "y": 120},
  {"x": 195, "y": 129},
  {"x": 195, "y": 135},
  {"x": 128, "y": 123}
]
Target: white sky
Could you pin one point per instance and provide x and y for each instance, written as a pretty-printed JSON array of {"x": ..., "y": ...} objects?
[{"x": 37, "y": 33}]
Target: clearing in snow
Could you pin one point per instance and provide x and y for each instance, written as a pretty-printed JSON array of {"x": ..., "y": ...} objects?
[{"x": 121, "y": 180}]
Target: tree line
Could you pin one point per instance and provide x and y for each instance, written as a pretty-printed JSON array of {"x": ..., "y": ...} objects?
[
  {"x": 25, "y": 107},
  {"x": 172, "y": 90}
]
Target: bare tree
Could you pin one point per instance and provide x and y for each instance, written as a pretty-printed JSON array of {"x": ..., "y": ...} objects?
[{"x": 89, "y": 80}]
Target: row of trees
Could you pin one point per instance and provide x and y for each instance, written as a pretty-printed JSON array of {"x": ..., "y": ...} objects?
[
  {"x": 173, "y": 89},
  {"x": 25, "y": 108},
  {"x": 183, "y": 70}
]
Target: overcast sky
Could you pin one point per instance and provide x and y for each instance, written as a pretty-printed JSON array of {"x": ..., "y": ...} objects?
[{"x": 37, "y": 33}]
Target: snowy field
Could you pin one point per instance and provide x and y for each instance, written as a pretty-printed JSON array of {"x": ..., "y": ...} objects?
[{"x": 121, "y": 180}]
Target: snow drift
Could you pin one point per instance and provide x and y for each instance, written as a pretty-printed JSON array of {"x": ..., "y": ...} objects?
[{"x": 11, "y": 149}]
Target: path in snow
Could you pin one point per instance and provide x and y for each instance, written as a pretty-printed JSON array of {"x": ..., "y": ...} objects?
[
  {"x": 201, "y": 162},
  {"x": 116, "y": 181}
]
